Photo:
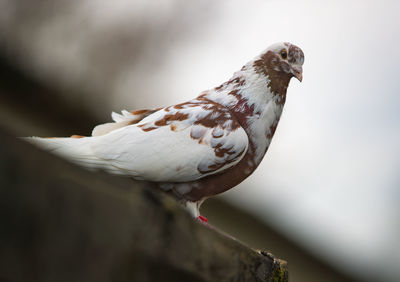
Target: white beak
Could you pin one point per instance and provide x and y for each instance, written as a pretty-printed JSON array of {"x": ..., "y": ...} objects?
[{"x": 297, "y": 71}]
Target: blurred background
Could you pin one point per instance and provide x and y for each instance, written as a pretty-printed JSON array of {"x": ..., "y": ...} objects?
[{"x": 326, "y": 196}]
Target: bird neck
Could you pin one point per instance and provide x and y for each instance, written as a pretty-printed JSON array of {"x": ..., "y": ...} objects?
[{"x": 253, "y": 98}]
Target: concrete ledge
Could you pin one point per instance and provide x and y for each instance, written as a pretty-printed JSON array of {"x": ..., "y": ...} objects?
[{"x": 62, "y": 223}]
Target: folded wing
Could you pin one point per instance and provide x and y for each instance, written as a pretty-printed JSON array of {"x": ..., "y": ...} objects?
[{"x": 176, "y": 144}]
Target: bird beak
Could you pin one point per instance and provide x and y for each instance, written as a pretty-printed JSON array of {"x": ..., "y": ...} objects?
[{"x": 297, "y": 71}]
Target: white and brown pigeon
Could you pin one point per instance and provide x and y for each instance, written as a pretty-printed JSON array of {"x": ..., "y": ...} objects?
[{"x": 199, "y": 148}]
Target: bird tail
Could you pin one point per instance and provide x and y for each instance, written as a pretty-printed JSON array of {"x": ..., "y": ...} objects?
[{"x": 76, "y": 150}]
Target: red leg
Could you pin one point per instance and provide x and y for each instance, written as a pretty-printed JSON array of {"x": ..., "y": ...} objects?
[{"x": 203, "y": 219}]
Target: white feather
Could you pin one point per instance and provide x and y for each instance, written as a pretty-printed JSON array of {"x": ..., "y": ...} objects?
[
  {"x": 120, "y": 120},
  {"x": 165, "y": 155},
  {"x": 105, "y": 128},
  {"x": 76, "y": 150},
  {"x": 161, "y": 154}
]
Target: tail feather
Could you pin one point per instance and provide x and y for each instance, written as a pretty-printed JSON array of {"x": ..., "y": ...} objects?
[{"x": 76, "y": 150}]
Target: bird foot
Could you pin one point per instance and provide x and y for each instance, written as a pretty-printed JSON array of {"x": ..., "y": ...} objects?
[{"x": 202, "y": 219}]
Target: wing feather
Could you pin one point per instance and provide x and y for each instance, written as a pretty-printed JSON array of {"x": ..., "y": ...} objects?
[
  {"x": 121, "y": 120},
  {"x": 175, "y": 144}
]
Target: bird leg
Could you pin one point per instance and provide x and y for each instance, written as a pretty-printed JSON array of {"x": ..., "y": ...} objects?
[
  {"x": 193, "y": 209},
  {"x": 202, "y": 219}
]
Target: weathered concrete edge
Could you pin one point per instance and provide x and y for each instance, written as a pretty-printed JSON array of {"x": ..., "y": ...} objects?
[{"x": 76, "y": 221}]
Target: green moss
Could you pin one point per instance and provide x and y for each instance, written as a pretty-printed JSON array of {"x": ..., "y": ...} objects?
[{"x": 279, "y": 271}]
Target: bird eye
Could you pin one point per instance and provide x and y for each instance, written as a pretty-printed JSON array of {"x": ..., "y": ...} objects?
[{"x": 284, "y": 54}]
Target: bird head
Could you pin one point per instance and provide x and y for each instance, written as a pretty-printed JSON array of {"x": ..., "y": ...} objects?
[
  {"x": 288, "y": 59},
  {"x": 283, "y": 60}
]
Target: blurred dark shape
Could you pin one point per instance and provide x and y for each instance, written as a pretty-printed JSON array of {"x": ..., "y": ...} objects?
[
  {"x": 88, "y": 49},
  {"x": 30, "y": 108}
]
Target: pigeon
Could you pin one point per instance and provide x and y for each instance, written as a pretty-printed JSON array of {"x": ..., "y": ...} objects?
[{"x": 199, "y": 148}]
